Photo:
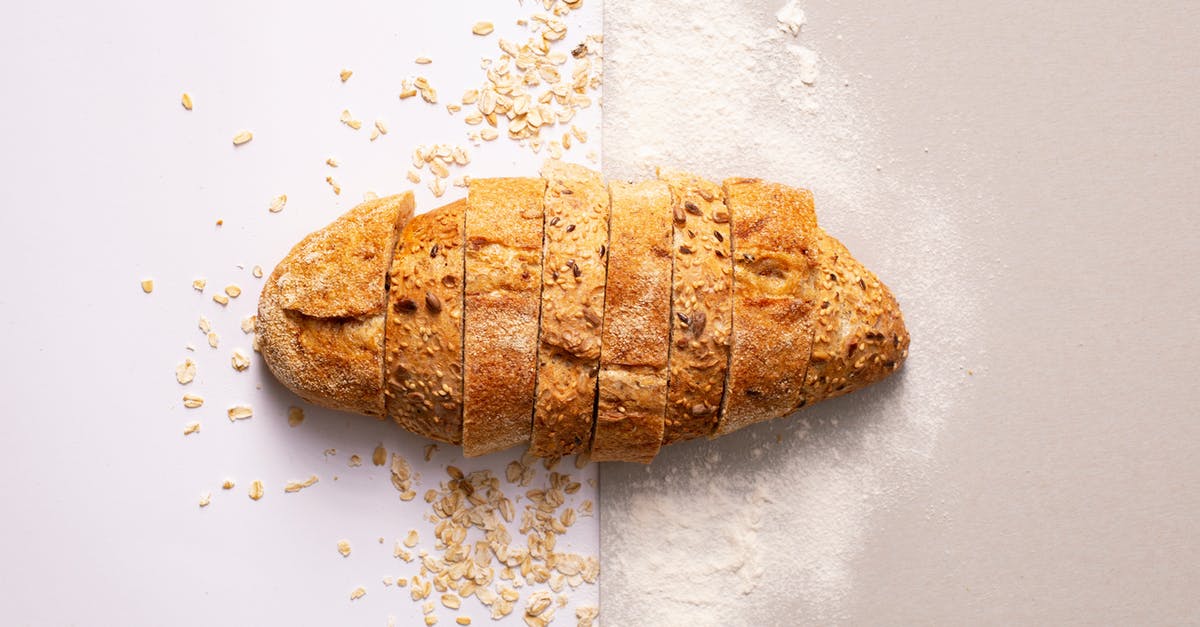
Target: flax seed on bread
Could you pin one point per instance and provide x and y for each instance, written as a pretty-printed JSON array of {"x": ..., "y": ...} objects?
[{"x": 423, "y": 339}]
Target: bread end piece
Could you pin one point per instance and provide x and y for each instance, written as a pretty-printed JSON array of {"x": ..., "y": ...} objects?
[
  {"x": 860, "y": 337},
  {"x": 321, "y": 313}
]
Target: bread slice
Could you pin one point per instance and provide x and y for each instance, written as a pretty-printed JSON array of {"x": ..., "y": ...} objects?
[
  {"x": 637, "y": 320},
  {"x": 423, "y": 339},
  {"x": 774, "y": 252},
  {"x": 573, "y": 274},
  {"x": 503, "y": 293},
  {"x": 320, "y": 323},
  {"x": 859, "y": 337},
  {"x": 701, "y": 303}
]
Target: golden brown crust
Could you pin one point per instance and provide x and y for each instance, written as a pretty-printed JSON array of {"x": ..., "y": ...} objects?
[
  {"x": 637, "y": 312},
  {"x": 339, "y": 272},
  {"x": 503, "y": 291},
  {"x": 860, "y": 336},
  {"x": 320, "y": 329},
  {"x": 701, "y": 304},
  {"x": 423, "y": 341},
  {"x": 573, "y": 277},
  {"x": 774, "y": 252}
]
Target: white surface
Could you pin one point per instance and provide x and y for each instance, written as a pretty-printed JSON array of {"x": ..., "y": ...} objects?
[{"x": 109, "y": 181}]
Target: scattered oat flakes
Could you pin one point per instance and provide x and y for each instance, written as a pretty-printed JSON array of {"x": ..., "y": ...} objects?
[
  {"x": 185, "y": 372},
  {"x": 331, "y": 162},
  {"x": 483, "y": 28},
  {"x": 451, "y": 601},
  {"x": 221, "y": 299},
  {"x": 358, "y": 593},
  {"x": 430, "y": 620},
  {"x": 147, "y": 285},
  {"x": 349, "y": 120},
  {"x": 205, "y": 325},
  {"x": 256, "y": 490},
  {"x": 586, "y": 615},
  {"x": 337, "y": 189},
  {"x": 239, "y": 360},
  {"x": 277, "y": 203},
  {"x": 374, "y": 134},
  {"x": 198, "y": 284},
  {"x": 355, "y": 461},
  {"x": 248, "y": 323},
  {"x": 411, "y": 539},
  {"x": 205, "y": 499},
  {"x": 413, "y": 176},
  {"x": 381, "y": 126},
  {"x": 345, "y": 75},
  {"x": 463, "y": 620},
  {"x": 186, "y": 101},
  {"x": 191, "y": 427},
  {"x": 239, "y": 412},
  {"x": 295, "y": 416},
  {"x": 257, "y": 272},
  {"x": 227, "y": 485},
  {"x": 296, "y": 486},
  {"x": 192, "y": 401},
  {"x": 423, "y": 61},
  {"x": 379, "y": 456},
  {"x": 430, "y": 449},
  {"x": 242, "y": 137},
  {"x": 213, "y": 339},
  {"x": 233, "y": 291},
  {"x": 488, "y": 134}
]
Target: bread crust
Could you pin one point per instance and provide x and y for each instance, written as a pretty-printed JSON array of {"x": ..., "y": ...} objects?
[
  {"x": 503, "y": 293},
  {"x": 774, "y": 251},
  {"x": 637, "y": 311},
  {"x": 320, "y": 323},
  {"x": 423, "y": 353},
  {"x": 859, "y": 337},
  {"x": 701, "y": 307},
  {"x": 572, "y": 313}
]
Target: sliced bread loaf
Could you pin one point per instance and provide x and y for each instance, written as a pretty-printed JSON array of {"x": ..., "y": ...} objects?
[
  {"x": 637, "y": 320},
  {"x": 503, "y": 292},
  {"x": 423, "y": 340},
  {"x": 774, "y": 251},
  {"x": 572, "y": 313},
  {"x": 701, "y": 301}
]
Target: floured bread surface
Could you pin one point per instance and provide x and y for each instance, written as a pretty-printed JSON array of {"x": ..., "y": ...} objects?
[
  {"x": 503, "y": 291},
  {"x": 423, "y": 344},
  {"x": 859, "y": 336},
  {"x": 701, "y": 302},
  {"x": 320, "y": 323},
  {"x": 637, "y": 310},
  {"x": 774, "y": 251},
  {"x": 573, "y": 276}
]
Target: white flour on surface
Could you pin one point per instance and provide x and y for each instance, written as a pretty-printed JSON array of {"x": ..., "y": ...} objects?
[{"x": 763, "y": 526}]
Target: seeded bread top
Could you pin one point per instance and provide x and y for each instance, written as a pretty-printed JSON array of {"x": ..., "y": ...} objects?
[
  {"x": 701, "y": 300},
  {"x": 503, "y": 288},
  {"x": 774, "y": 251},
  {"x": 423, "y": 342},
  {"x": 573, "y": 279}
]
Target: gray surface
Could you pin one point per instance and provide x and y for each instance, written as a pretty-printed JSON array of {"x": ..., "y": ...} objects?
[{"x": 1062, "y": 484}]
